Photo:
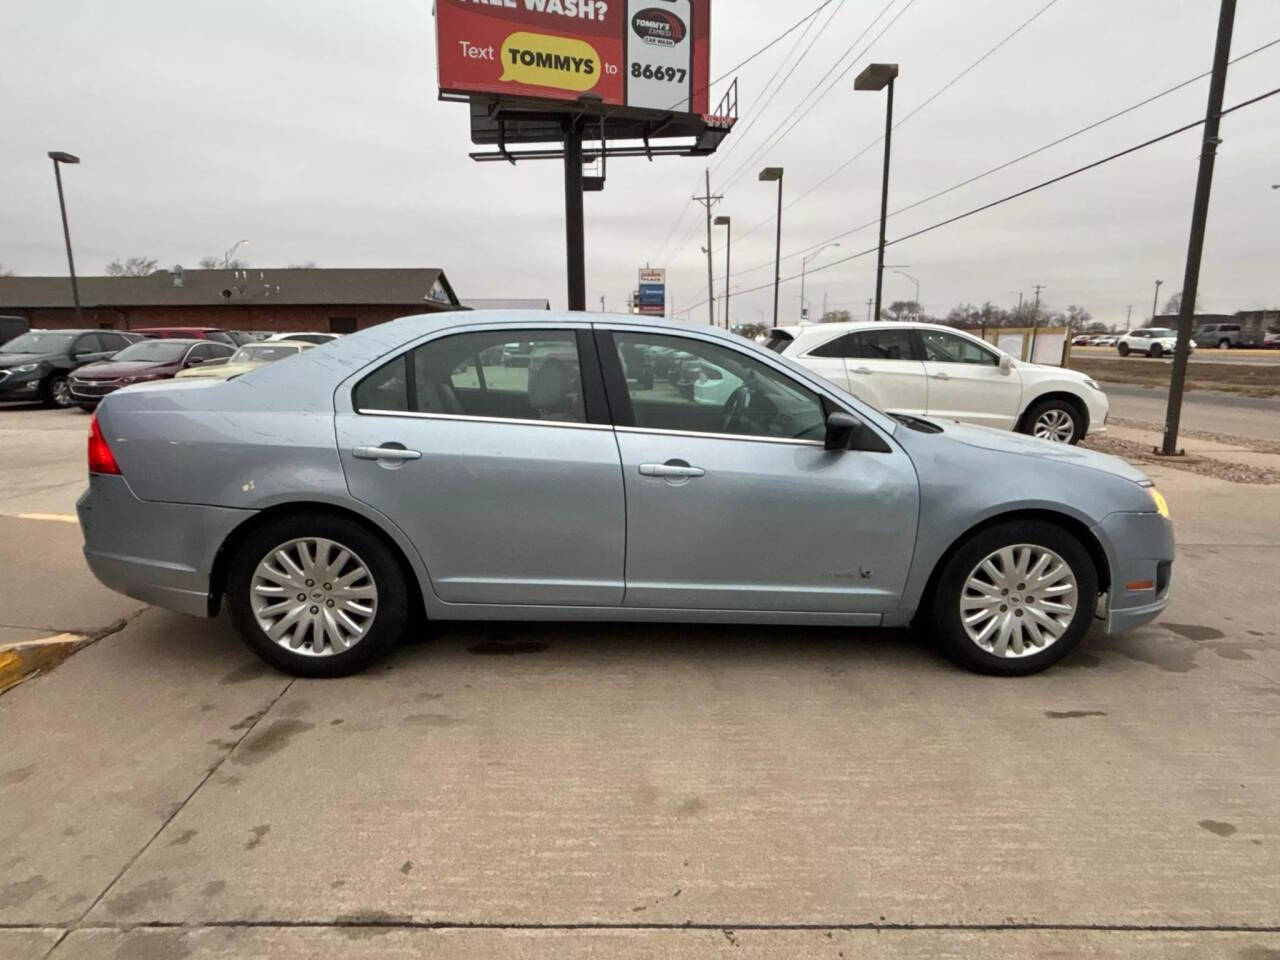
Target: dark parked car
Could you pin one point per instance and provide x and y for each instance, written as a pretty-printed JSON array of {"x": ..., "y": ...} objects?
[
  {"x": 189, "y": 333},
  {"x": 35, "y": 366},
  {"x": 11, "y": 327},
  {"x": 142, "y": 362}
]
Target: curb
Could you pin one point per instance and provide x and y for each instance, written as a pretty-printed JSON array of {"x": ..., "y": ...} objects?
[{"x": 23, "y": 661}]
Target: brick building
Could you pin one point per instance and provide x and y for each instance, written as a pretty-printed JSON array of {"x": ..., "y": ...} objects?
[{"x": 337, "y": 301}]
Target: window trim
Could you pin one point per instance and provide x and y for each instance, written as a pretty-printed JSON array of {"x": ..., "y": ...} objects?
[{"x": 595, "y": 413}]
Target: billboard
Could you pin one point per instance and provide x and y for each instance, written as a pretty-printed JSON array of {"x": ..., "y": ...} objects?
[
  {"x": 646, "y": 54},
  {"x": 651, "y": 292}
]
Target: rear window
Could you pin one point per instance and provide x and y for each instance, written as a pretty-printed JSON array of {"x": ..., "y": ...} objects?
[{"x": 778, "y": 341}]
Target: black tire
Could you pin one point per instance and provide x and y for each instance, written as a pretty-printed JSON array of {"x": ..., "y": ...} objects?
[
  {"x": 1224, "y": 344},
  {"x": 57, "y": 392},
  {"x": 944, "y": 612},
  {"x": 1041, "y": 407},
  {"x": 87, "y": 407},
  {"x": 1122, "y": 349},
  {"x": 1156, "y": 351},
  {"x": 391, "y": 612}
]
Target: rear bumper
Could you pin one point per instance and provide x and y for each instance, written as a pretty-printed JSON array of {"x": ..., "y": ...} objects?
[
  {"x": 160, "y": 553},
  {"x": 1137, "y": 544}
]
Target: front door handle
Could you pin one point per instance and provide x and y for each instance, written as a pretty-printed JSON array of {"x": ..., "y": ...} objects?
[
  {"x": 939, "y": 376},
  {"x": 385, "y": 452},
  {"x": 682, "y": 471},
  {"x": 864, "y": 371}
]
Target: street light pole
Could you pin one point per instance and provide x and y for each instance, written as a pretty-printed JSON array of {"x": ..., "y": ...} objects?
[
  {"x": 1199, "y": 217},
  {"x": 61, "y": 156},
  {"x": 775, "y": 173},
  {"x": 724, "y": 221},
  {"x": 917, "y": 283},
  {"x": 804, "y": 263},
  {"x": 1154, "y": 301},
  {"x": 226, "y": 257},
  {"x": 879, "y": 76}
]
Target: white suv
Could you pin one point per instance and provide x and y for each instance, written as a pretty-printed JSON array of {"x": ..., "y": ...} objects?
[
  {"x": 1151, "y": 341},
  {"x": 927, "y": 369}
]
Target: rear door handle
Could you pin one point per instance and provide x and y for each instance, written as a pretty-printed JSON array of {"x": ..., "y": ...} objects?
[
  {"x": 864, "y": 371},
  {"x": 939, "y": 376},
  {"x": 670, "y": 470},
  {"x": 385, "y": 452}
]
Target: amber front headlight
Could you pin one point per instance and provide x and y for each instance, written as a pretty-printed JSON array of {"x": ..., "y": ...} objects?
[{"x": 1162, "y": 505}]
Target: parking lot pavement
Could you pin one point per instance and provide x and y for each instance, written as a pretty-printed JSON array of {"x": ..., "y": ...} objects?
[
  {"x": 44, "y": 459},
  {"x": 597, "y": 790}
]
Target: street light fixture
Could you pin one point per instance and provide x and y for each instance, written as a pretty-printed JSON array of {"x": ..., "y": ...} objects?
[
  {"x": 723, "y": 221},
  {"x": 1154, "y": 301},
  {"x": 804, "y": 263},
  {"x": 60, "y": 157},
  {"x": 226, "y": 257},
  {"x": 880, "y": 76},
  {"x": 917, "y": 283},
  {"x": 767, "y": 174}
]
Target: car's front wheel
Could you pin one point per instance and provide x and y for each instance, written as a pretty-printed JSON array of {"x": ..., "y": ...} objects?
[
  {"x": 1122, "y": 349},
  {"x": 1224, "y": 344},
  {"x": 1015, "y": 598},
  {"x": 1156, "y": 351},
  {"x": 1054, "y": 419},
  {"x": 57, "y": 392},
  {"x": 317, "y": 595}
]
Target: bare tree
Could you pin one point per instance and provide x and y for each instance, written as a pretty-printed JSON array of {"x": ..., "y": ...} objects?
[
  {"x": 836, "y": 316},
  {"x": 217, "y": 263},
  {"x": 5, "y": 272},
  {"x": 1174, "y": 304},
  {"x": 1077, "y": 318},
  {"x": 132, "y": 267},
  {"x": 901, "y": 310},
  {"x": 307, "y": 265}
]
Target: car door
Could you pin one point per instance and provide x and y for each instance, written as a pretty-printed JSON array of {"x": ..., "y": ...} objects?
[
  {"x": 734, "y": 504},
  {"x": 506, "y": 478},
  {"x": 885, "y": 370},
  {"x": 966, "y": 381},
  {"x": 88, "y": 349}
]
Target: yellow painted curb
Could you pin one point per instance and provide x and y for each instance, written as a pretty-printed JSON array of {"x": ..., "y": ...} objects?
[{"x": 24, "y": 661}]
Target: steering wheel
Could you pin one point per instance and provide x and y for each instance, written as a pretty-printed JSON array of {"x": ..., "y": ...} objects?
[{"x": 734, "y": 410}]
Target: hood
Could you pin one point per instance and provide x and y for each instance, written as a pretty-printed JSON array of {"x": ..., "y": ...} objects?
[
  {"x": 18, "y": 359},
  {"x": 1062, "y": 373},
  {"x": 1005, "y": 441},
  {"x": 113, "y": 370}
]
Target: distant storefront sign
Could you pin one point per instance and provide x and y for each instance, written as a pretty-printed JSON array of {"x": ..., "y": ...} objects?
[{"x": 651, "y": 292}]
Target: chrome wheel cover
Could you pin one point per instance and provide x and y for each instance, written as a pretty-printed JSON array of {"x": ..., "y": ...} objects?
[
  {"x": 313, "y": 597},
  {"x": 1018, "y": 601},
  {"x": 1056, "y": 425},
  {"x": 60, "y": 390}
]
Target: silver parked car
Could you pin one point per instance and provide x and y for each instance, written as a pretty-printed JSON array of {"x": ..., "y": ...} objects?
[{"x": 332, "y": 496}]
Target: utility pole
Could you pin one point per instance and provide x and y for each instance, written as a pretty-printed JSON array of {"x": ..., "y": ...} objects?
[
  {"x": 1199, "y": 217},
  {"x": 1035, "y": 322},
  {"x": 602, "y": 309},
  {"x": 1127, "y": 315},
  {"x": 707, "y": 200},
  {"x": 870, "y": 301},
  {"x": 824, "y": 306}
]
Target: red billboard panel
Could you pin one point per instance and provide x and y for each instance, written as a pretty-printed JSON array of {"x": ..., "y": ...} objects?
[{"x": 650, "y": 54}]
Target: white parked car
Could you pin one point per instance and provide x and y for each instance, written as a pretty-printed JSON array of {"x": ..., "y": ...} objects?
[
  {"x": 924, "y": 369},
  {"x": 1150, "y": 341},
  {"x": 305, "y": 337}
]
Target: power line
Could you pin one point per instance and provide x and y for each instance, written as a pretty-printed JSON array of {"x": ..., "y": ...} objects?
[
  {"x": 774, "y": 135},
  {"x": 1002, "y": 166},
  {"x": 928, "y": 100},
  {"x": 1021, "y": 193}
]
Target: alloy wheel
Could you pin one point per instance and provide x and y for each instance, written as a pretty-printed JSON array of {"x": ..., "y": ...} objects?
[
  {"x": 313, "y": 597},
  {"x": 60, "y": 391},
  {"x": 1019, "y": 600},
  {"x": 1054, "y": 424}
]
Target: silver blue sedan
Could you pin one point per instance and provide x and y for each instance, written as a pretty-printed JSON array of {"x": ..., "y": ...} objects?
[{"x": 336, "y": 496}]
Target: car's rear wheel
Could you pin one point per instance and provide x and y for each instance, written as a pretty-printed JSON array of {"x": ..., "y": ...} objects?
[
  {"x": 317, "y": 595},
  {"x": 57, "y": 392},
  {"x": 1122, "y": 349},
  {"x": 1156, "y": 351},
  {"x": 1054, "y": 419},
  {"x": 1224, "y": 344},
  {"x": 87, "y": 407},
  {"x": 1015, "y": 598}
]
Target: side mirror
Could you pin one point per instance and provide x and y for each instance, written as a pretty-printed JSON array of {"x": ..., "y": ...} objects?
[
  {"x": 842, "y": 429},
  {"x": 1006, "y": 362}
]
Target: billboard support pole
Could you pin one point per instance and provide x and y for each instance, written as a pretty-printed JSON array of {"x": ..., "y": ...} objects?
[{"x": 575, "y": 248}]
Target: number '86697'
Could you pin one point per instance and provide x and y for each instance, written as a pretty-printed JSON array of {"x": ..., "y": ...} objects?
[{"x": 650, "y": 72}]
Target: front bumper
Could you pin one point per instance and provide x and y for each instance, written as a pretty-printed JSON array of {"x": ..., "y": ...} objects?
[
  {"x": 160, "y": 553},
  {"x": 91, "y": 391},
  {"x": 20, "y": 386},
  {"x": 1140, "y": 552}
]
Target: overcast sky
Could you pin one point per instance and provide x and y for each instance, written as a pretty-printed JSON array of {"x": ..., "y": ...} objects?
[{"x": 313, "y": 130}]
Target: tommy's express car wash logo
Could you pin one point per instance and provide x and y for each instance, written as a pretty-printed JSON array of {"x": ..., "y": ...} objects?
[
  {"x": 659, "y": 28},
  {"x": 545, "y": 61}
]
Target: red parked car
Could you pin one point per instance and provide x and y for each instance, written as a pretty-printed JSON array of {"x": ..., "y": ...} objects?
[
  {"x": 188, "y": 333},
  {"x": 141, "y": 362}
]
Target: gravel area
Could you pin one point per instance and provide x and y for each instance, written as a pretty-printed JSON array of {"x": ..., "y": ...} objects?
[{"x": 1221, "y": 469}]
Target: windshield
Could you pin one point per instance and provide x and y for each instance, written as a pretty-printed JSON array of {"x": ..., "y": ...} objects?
[
  {"x": 266, "y": 352},
  {"x": 39, "y": 343},
  {"x": 154, "y": 351}
]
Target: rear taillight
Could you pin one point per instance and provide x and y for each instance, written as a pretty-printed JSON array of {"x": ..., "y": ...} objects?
[{"x": 101, "y": 459}]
